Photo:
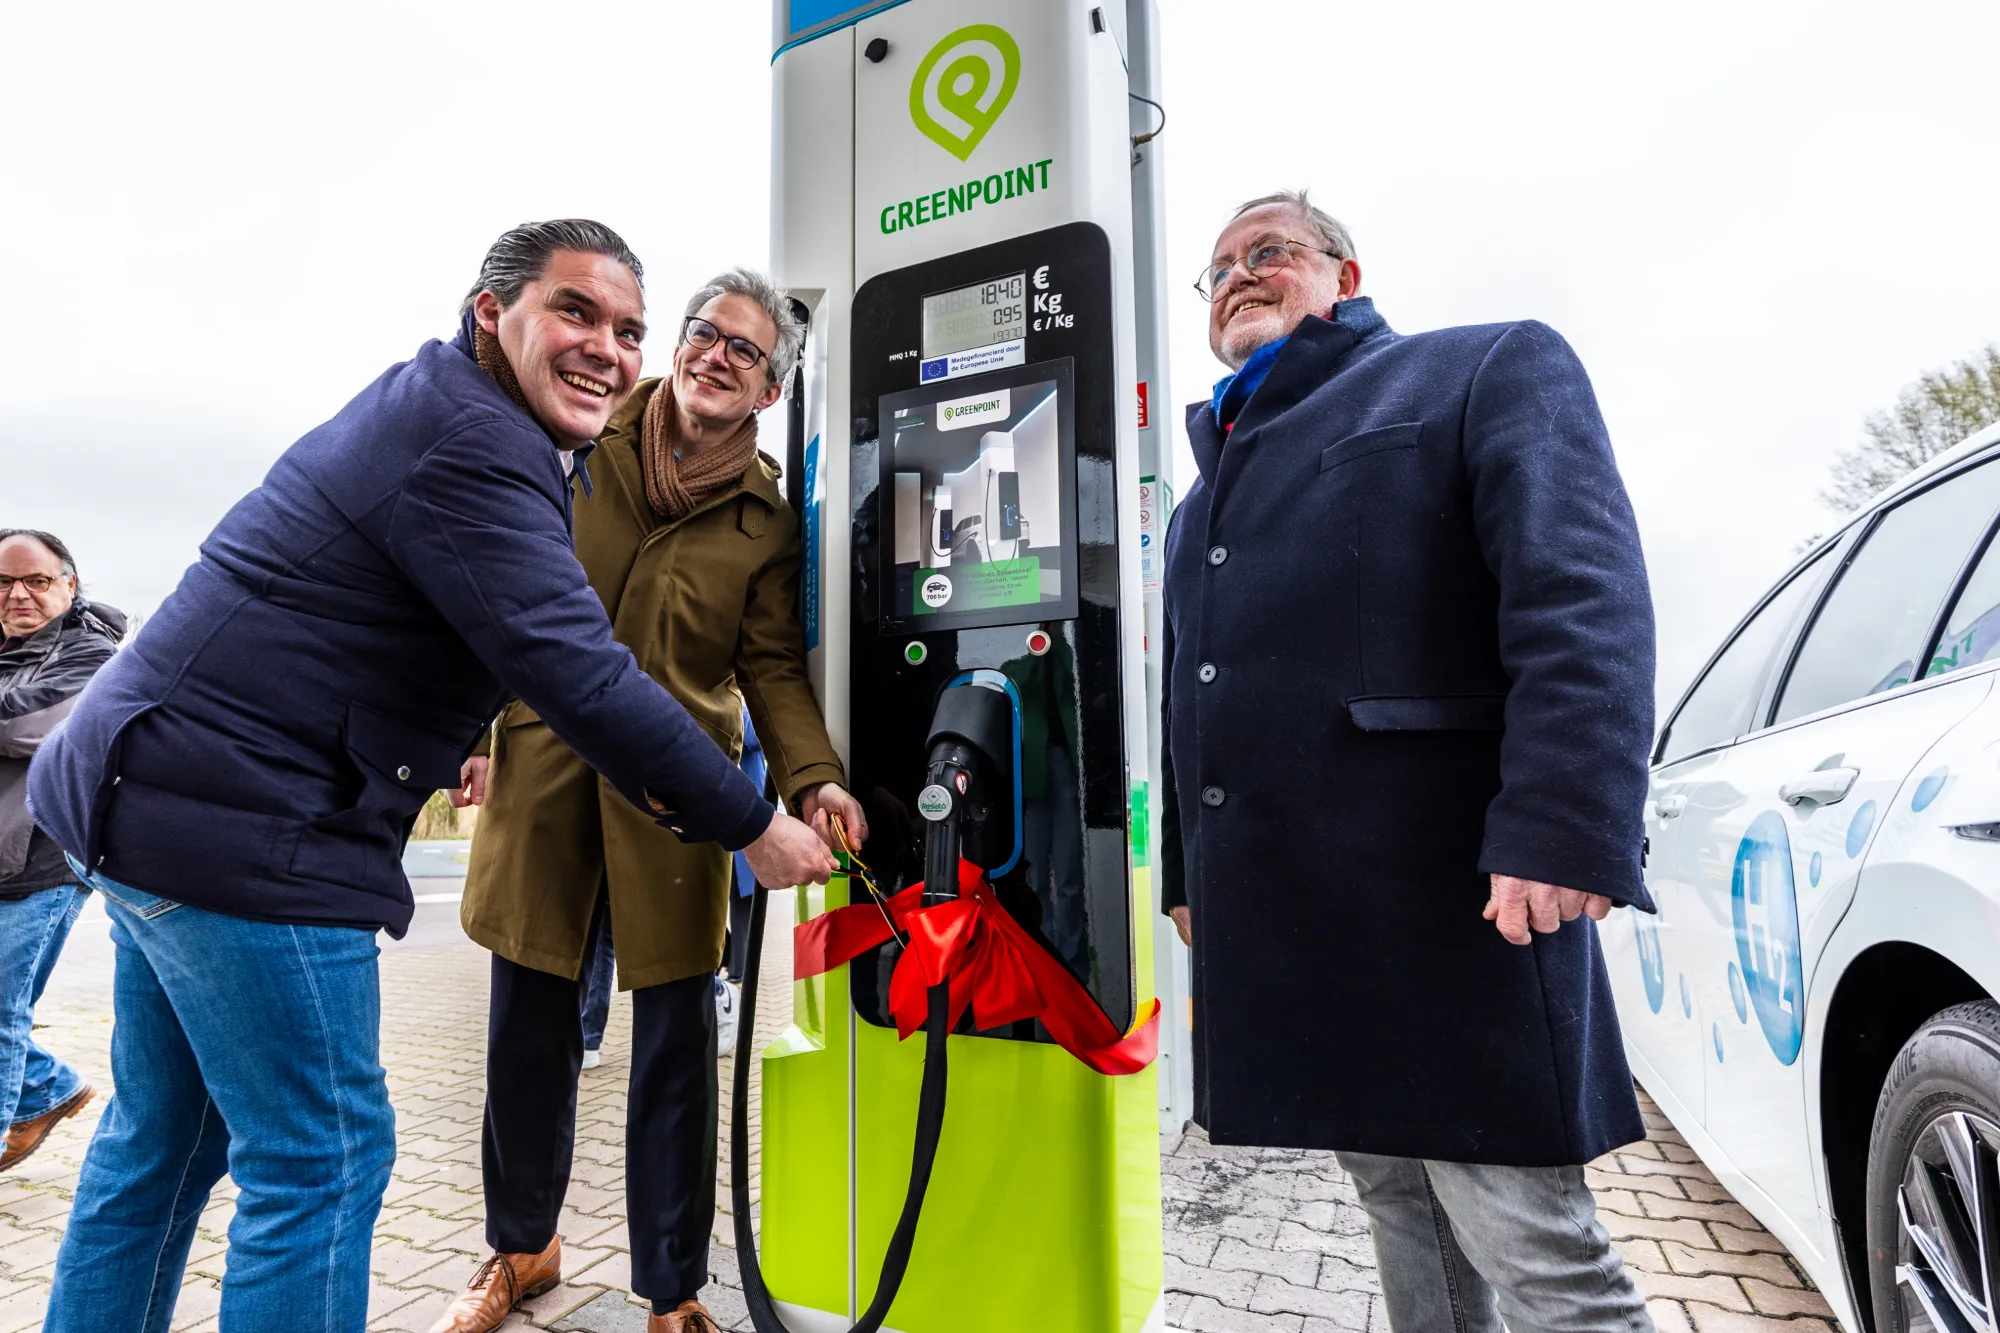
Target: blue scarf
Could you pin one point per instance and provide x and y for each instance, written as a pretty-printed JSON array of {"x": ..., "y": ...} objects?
[{"x": 1233, "y": 391}]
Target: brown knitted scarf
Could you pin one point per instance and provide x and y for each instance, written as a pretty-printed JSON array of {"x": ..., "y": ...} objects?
[
  {"x": 486, "y": 349},
  {"x": 675, "y": 486}
]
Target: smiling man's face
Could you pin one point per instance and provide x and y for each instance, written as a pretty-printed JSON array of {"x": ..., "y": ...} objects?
[
  {"x": 572, "y": 338},
  {"x": 1250, "y": 312},
  {"x": 711, "y": 388}
]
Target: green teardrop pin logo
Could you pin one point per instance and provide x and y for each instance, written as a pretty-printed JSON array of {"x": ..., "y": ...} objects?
[{"x": 963, "y": 85}]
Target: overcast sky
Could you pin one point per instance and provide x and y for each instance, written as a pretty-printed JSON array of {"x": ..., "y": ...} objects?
[{"x": 1755, "y": 222}]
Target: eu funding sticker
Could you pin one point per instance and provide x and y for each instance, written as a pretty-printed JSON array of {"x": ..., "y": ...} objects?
[
  {"x": 978, "y": 410},
  {"x": 994, "y": 357}
]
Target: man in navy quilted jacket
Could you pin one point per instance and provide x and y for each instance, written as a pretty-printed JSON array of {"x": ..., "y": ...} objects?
[{"x": 239, "y": 782}]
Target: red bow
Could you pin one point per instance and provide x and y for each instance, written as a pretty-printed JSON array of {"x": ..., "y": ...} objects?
[{"x": 997, "y": 971}]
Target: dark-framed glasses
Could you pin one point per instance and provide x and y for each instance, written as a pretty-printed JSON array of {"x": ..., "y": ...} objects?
[
  {"x": 701, "y": 335},
  {"x": 35, "y": 583},
  {"x": 1267, "y": 256}
]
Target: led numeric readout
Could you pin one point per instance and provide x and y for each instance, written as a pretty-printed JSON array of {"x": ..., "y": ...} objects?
[{"x": 976, "y": 316}]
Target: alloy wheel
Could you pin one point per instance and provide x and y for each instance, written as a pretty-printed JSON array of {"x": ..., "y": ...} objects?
[{"x": 1948, "y": 1252}]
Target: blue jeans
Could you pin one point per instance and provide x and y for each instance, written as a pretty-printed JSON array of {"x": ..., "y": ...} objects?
[
  {"x": 599, "y": 971},
  {"x": 245, "y": 1047},
  {"x": 32, "y": 931},
  {"x": 1460, "y": 1248}
]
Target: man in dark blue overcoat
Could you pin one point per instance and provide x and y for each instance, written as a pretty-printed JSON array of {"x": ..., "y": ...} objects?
[
  {"x": 1409, "y": 665},
  {"x": 238, "y": 783}
]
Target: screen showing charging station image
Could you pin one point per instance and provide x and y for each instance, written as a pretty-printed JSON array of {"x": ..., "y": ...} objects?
[{"x": 980, "y": 474}]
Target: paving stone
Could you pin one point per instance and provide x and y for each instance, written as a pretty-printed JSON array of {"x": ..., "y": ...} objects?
[
  {"x": 1769, "y": 1299},
  {"x": 1207, "y": 1316},
  {"x": 1669, "y": 1317},
  {"x": 1684, "y": 1229},
  {"x": 1293, "y": 1265},
  {"x": 1598, "y": 1179},
  {"x": 1710, "y": 1319},
  {"x": 200, "y": 1302},
  {"x": 1643, "y": 1254},
  {"x": 1229, "y": 1288},
  {"x": 1771, "y": 1267},
  {"x": 1274, "y": 1295},
  {"x": 1744, "y": 1240},
  {"x": 1731, "y": 1212},
  {"x": 609, "y": 1313},
  {"x": 24, "y": 1307},
  {"x": 1723, "y": 1292}
]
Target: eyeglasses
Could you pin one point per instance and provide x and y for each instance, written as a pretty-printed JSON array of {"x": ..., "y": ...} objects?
[
  {"x": 1264, "y": 257},
  {"x": 35, "y": 583},
  {"x": 701, "y": 335}
]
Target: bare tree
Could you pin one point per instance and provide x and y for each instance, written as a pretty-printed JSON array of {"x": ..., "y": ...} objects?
[{"x": 1930, "y": 416}]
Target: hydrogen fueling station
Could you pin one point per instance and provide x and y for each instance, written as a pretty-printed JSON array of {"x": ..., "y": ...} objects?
[{"x": 965, "y": 203}]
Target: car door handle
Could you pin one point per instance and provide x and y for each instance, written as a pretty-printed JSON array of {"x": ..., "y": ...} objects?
[
  {"x": 1826, "y": 786},
  {"x": 1670, "y": 807}
]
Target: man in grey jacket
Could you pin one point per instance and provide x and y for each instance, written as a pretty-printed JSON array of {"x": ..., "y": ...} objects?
[{"x": 52, "y": 642}]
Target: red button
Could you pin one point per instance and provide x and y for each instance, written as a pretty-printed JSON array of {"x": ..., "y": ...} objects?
[{"x": 1038, "y": 641}]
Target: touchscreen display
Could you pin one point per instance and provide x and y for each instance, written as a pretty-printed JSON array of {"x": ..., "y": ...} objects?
[{"x": 980, "y": 497}]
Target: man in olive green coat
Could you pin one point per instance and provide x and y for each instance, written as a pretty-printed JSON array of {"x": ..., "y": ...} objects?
[{"x": 690, "y": 545}]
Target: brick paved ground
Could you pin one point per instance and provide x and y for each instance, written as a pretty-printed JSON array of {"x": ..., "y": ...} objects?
[{"x": 1258, "y": 1240}]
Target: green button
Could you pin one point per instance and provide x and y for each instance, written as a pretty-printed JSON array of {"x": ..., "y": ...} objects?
[{"x": 914, "y": 652}]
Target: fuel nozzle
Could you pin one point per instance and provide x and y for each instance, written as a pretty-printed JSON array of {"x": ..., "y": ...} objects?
[{"x": 969, "y": 800}]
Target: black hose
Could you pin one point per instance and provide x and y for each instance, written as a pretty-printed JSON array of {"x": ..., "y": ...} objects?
[{"x": 930, "y": 1124}]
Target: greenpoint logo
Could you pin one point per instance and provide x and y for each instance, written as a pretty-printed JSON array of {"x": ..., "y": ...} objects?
[{"x": 963, "y": 85}]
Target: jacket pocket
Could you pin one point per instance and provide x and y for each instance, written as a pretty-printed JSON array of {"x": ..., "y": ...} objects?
[
  {"x": 1429, "y": 712},
  {"x": 90, "y": 761},
  {"x": 398, "y": 767},
  {"x": 1382, "y": 439},
  {"x": 414, "y": 761}
]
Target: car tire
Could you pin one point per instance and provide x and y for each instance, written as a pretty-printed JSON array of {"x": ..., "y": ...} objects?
[{"x": 1934, "y": 1175}]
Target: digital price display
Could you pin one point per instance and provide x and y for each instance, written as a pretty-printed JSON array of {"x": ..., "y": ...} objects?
[{"x": 976, "y": 316}]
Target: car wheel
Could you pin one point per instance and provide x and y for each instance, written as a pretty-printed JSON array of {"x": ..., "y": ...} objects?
[{"x": 1934, "y": 1178}]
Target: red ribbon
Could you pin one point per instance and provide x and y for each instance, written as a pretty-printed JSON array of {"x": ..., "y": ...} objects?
[{"x": 997, "y": 971}]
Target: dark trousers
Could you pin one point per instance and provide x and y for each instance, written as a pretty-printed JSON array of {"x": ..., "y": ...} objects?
[{"x": 534, "y": 1054}]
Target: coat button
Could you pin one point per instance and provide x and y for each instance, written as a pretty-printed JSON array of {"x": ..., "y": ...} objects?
[
  {"x": 1217, "y": 554},
  {"x": 1207, "y": 672},
  {"x": 403, "y": 773},
  {"x": 1211, "y": 796}
]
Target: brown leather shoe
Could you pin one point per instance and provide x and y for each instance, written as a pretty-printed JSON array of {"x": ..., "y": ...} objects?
[
  {"x": 502, "y": 1282},
  {"x": 25, "y": 1137},
  {"x": 690, "y": 1317}
]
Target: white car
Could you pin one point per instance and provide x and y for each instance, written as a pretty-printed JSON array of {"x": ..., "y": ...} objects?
[{"x": 1814, "y": 1004}]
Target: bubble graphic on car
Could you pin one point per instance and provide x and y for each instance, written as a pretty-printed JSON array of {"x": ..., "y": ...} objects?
[
  {"x": 1928, "y": 789},
  {"x": 1764, "y": 908},
  {"x": 1715, "y": 1033},
  {"x": 1860, "y": 827},
  {"x": 1738, "y": 994},
  {"x": 1812, "y": 870},
  {"x": 1652, "y": 959},
  {"x": 1687, "y": 1000}
]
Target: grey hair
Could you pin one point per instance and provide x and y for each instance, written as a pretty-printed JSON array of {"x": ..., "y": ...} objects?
[
  {"x": 49, "y": 540},
  {"x": 1332, "y": 232},
  {"x": 522, "y": 254},
  {"x": 774, "y": 300}
]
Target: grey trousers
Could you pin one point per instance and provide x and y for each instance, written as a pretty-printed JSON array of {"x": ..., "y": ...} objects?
[{"x": 1461, "y": 1248}]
